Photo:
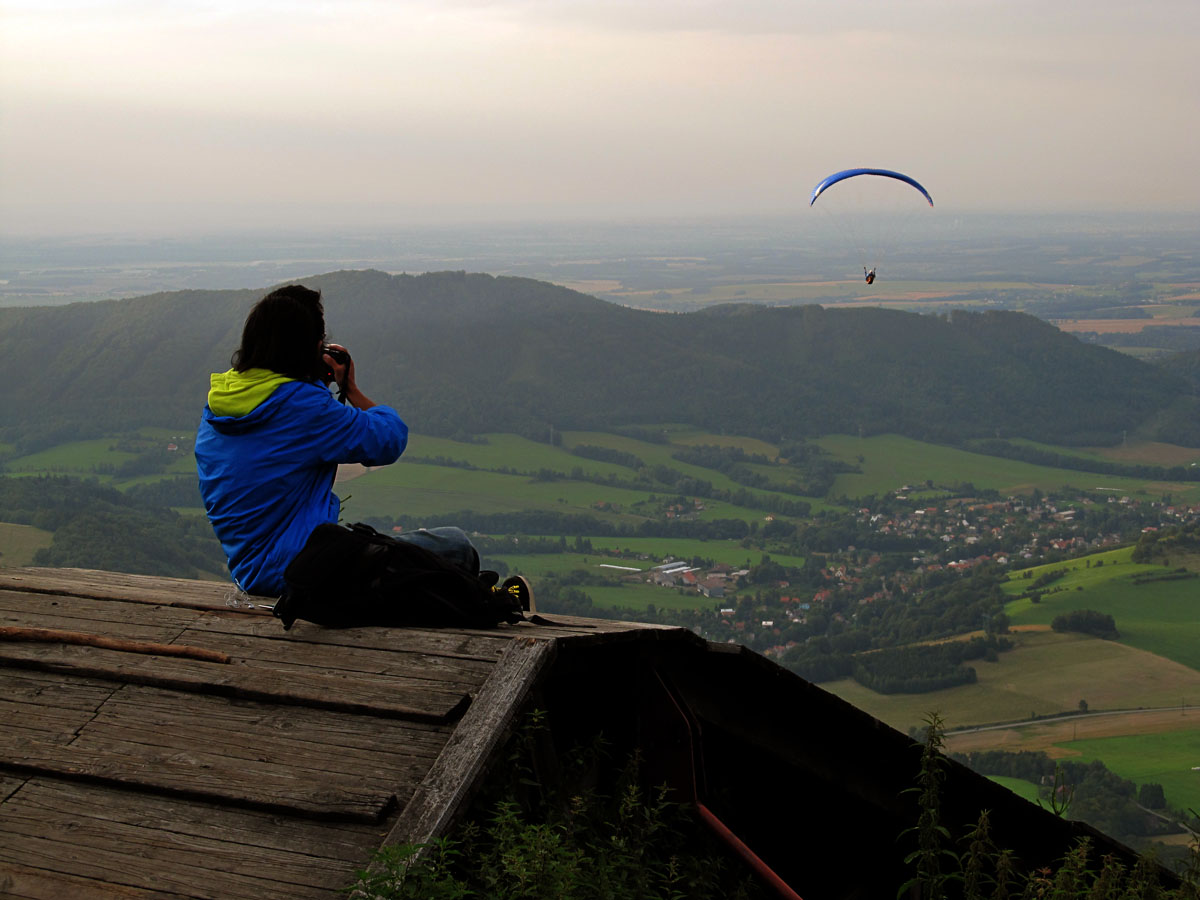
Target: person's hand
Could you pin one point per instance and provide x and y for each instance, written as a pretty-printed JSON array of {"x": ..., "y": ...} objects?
[{"x": 341, "y": 365}]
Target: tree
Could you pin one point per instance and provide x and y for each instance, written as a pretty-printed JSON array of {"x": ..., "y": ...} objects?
[{"x": 1151, "y": 796}]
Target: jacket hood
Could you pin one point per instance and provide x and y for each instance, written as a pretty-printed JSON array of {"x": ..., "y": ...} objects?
[{"x": 236, "y": 393}]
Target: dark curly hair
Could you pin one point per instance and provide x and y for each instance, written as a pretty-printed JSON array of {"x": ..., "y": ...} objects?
[{"x": 283, "y": 333}]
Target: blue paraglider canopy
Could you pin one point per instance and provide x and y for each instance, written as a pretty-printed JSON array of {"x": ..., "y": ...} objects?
[{"x": 851, "y": 173}]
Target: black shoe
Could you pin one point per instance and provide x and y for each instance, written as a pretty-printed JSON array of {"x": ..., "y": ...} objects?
[
  {"x": 519, "y": 590},
  {"x": 285, "y": 610}
]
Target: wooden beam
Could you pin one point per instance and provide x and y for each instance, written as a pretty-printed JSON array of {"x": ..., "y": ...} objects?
[
  {"x": 459, "y": 769},
  {"x": 160, "y": 591},
  {"x": 83, "y": 638},
  {"x": 245, "y": 679},
  {"x": 201, "y": 776}
]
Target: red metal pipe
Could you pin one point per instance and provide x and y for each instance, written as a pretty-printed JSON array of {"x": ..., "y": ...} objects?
[
  {"x": 751, "y": 858},
  {"x": 718, "y": 827}
]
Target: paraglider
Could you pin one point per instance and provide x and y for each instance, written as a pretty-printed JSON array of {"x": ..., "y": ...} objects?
[
  {"x": 852, "y": 173},
  {"x": 861, "y": 210}
]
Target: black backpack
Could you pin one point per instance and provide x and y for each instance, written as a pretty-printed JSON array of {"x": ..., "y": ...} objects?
[{"x": 350, "y": 576}]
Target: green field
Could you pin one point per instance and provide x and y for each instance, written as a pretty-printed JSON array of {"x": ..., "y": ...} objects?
[
  {"x": 657, "y": 550},
  {"x": 630, "y": 593},
  {"x": 1046, "y": 673},
  {"x": 82, "y": 458},
  {"x": 78, "y": 457},
  {"x": 1135, "y": 453},
  {"x": 18, "y": 543},
  {"x": 1018, "y": 786},
  {"x": 1167, "y": 759},
  {"x": 1161, "y": 617},
  {"x": 890, "y": 462}
]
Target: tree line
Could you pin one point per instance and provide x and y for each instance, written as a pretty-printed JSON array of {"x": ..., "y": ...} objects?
[{"x": 98, "y": 527}]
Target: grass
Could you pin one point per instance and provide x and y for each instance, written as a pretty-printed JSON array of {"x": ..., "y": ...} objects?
[
  {"x": 76, "y": 458},
  {"x": 1154, "y": 665},
  {"x": 18, "y": 543},
  {"x": 650, "y": 552},
  {"x": 635, "y": 594},
  {"x": 1148, "y": 453},
  {"x": 1158, "y": 617},
  {"x": 423, "y": 494},
  {"x": 1046, "y": 673},
  {"x": 1018, "y": 786},
  {"x": 891, "y": 461},
  {"x": 80, "y": 458},
  {"x": 1167, "y": 759}
]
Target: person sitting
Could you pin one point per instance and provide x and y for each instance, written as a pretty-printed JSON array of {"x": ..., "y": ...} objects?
[
  {"x": 272, "y": 435},
  {"x": 869, "y": 276}
]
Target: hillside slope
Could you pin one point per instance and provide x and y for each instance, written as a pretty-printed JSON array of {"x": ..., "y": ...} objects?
[{"x": 458, "y": 352}]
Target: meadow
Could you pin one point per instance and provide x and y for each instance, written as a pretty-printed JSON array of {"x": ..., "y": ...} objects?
[
  {"x": 419, "y": 487},
  {"x": 1160, "y": 617},
  {"x": 1157, "y": 746},
  {"x": 1047, "y": 673},
  {"x": 18, "y": 543},
  {"x": 889, "y": 461},
  {"x": 1171, "y": 759},
  {"x": 1149, "y": 453},
  {"x": 1018, "y": 786},
  {"x": 629, "y": 570},
  {"x": 1152, "y": 672}
]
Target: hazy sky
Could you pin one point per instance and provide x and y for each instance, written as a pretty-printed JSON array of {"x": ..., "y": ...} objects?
[{"x": 187, "y": 115}]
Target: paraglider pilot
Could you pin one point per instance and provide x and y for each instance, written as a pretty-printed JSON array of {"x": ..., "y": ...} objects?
[{"x": 869, "y": 276}]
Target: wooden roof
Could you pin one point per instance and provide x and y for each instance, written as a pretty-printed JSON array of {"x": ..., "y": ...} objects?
[
  {"x": 161, "y": 742},
  {"x": 164, "y": 740}
]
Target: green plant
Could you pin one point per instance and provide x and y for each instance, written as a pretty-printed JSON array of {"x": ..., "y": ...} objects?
[
  {"x": 595, "y": 832},
  {"x": 412, "y": 870},
  {"x": 987, "y": 872},
  {"x": 931, "y": 834}
]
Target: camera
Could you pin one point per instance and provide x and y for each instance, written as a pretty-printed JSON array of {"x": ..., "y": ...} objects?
[{"x": 340, "y": 356}]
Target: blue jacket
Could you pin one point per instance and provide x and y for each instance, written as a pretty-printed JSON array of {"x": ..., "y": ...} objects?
[{"x": 266, "y": 452}]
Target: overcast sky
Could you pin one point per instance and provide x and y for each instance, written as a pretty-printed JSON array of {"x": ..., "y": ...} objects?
[{"x": 192, "y": 115}]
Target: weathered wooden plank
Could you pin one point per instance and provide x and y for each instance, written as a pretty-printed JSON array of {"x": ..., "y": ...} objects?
[
  {"x": 9, "y": 785},
  {"x": 155, "y": 858},
  {"x": 37, "y": 607},
  {"x": 374, "y": 695},
  {"x": 51, "y": 723},
  {"x": 485, "y": 646},
  {"x": 20, "y": 882},
  {"x": 181, "y": 592},
  {"x": 202, "y": 775},
  {"x": 52, "y": 690},
  {"x": 251, "y": 729},
  {"x": 416, "y": 671},
  {"x": 349, "y": 842},
  {"x": 460, "y": 767},
  {"x": 397, "y": 771}
]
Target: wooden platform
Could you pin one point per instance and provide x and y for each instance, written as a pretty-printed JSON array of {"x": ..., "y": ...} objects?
[{"x": 163, "y": 739}]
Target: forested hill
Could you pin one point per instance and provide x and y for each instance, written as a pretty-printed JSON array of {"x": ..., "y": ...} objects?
[{"x": 459, "y": 353}]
